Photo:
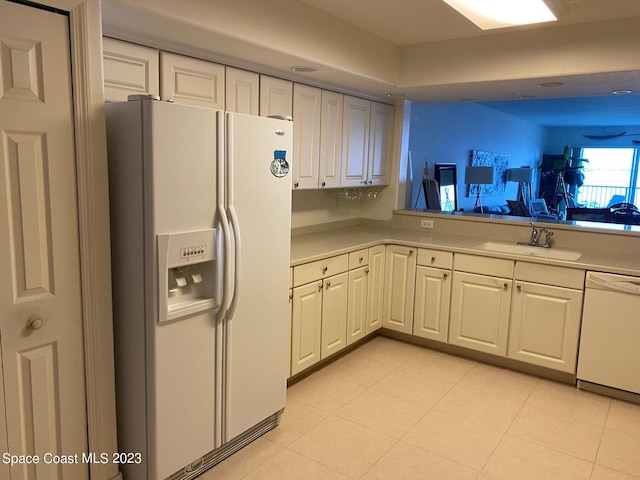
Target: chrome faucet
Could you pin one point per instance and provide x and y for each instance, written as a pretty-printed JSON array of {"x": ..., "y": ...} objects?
[
  {"x": 547, "y": 238},
  {"x": 536, "y": 237}
]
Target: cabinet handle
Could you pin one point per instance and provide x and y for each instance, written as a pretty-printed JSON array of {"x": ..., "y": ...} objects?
[
  {"x": 506, "y": 285},
  {"x": 446, "y": 275},
  {"x": 324, "y": 269},
  {"x": 370, "y": 182},
  {"x": 410, "y": 252},
  {"x": 433, "y": 259},
  {"x": 366, "y": 271},
  {"x": 290, "y": 296},
  {"x": 296, "y": 185},
  {"x": 327, "y": 285},
  {"x": 360, "y": 259},
  {"x": 364, "y": 182},
  {"x": 519, "y": 288},
  {"x": 320, "y": 287},
  {"x": 324, "y": 184}
]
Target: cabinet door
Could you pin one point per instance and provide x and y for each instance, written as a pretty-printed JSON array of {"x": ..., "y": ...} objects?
[
  {"x": 355, "y": 141},
  {"x": 276, "y": 97},
  {"x": 242, "y": 91},
  {"x": 375, "y": 289},
  {"x": 129, "y": 70},
  {"x": 431, "y": 307},
  {"x": 289, "y": 333},
  {"x": 191, "y": 81},
  {"x": 480, "y": 312},
  {"x": 400, "y": 277},
  {"x": 334, "y": 314},
  {"x": 306, "y": 326},
  {"x": 306, "y": 136},
  {"x": 380, "y": 144},
  {"x": 545, "y": 325},
  {"x": 357, "y": 310},
  {"x": 331, "y": 139}
]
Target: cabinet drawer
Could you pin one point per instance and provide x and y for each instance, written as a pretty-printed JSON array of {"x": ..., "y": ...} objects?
[
  {"x": 359, "y": 258},
  {"x": 312, "y": 271},
  {"x": 435, "y": 258},
  {"x": 483, "y": 265},
  {"x": 549, "y": 275}
]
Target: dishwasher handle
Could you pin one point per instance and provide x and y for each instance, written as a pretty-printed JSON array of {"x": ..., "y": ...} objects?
[{"x": 626, "y": 286}]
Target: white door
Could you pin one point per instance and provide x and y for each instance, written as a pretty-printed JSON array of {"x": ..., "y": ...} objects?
[
  {"x": 129, "y": 70},
  {"x": 40, "y": 304},
  {"x": 375, "y": 289},
  {"x": 306, "y": 140},
  {"x": 355, "y": 141},
  {"x": 331, "y": 139},
  {"x": 480, "y": 312},
  {"x": 545, "y": 325},
  {"x": 400, "y": 278},
  {"x": 431, "y": 307},
  {"x": 191, "y": 81},
  {"x": 380, "y": 144},
  {"x": 357, "y": 310},
  {"x": 334, "y": 314},
  {"x": 276, "y": 97},
  {"x": 242, "y": 91},
  {"x": 306, "y": 326}
]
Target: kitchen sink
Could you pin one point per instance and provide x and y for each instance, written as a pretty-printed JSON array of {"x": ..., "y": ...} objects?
[{"x": 529, "y": 251}]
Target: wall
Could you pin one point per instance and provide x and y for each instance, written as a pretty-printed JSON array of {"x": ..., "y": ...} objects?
[
  {"x": 558, "y": 137},
  {"x": 445, "y": 133}
]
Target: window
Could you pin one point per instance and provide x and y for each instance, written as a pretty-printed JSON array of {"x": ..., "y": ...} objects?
[{"x": 610, "y": 176}]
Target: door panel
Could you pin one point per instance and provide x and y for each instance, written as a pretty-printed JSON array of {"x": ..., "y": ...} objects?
[{"x": 40, "y": 303}]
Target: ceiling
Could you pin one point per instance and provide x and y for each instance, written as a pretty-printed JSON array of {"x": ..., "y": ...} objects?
[{"x": 409, "y": 22}]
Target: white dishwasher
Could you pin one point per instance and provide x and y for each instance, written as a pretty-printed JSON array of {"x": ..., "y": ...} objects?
[{"x": 610, "y": 340}]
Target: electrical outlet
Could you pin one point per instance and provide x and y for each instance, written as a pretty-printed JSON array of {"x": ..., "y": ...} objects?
[{"x": 426, "y": 223}]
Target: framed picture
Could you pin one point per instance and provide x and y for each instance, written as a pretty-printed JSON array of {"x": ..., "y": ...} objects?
[{"x": 538, "y": 206}]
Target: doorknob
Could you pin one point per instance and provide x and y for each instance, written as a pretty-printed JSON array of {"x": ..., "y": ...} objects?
[{"x": 35, "y": 322}]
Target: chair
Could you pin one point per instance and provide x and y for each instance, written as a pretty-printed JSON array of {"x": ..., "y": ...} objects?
[
  {"x": 625, "y": 213},
  {"x": 614, "y": 200}
]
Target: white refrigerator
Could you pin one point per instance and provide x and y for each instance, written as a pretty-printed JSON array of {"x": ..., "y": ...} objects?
[{"x": 200, "y": 221}]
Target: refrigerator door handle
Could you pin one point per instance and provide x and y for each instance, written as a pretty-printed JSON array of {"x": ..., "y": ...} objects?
[
  {"x": 225, "y": 269},
  {"x": 233, "y": 216}
]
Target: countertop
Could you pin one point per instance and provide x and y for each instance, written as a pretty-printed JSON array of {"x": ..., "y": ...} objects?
[{"x": 316, "y": 246}]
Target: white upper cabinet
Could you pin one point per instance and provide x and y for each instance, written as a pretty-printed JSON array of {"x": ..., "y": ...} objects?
[
  {"x": 129, "y": 70},
  {"x": 276, "y": 97},
  {"x": 242, "y": 91},
  {"x": 306, "y": 136},
  {"x": 380, "y": 144},
  {"x": 355, "y": 141},
  {"x": 191, "y": 81},
  {"x": 367, "y": 142},
  {"x": 331, "y": 139}
]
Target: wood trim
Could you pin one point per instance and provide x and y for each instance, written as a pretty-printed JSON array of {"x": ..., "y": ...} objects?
[{"x": 93, "y": 218}]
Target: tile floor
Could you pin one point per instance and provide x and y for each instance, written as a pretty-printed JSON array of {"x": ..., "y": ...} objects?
[{"x": 394, "y": 411}]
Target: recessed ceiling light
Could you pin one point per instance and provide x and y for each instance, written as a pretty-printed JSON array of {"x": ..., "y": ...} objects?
[
  {"x": 622, "y": 92},
  {"x": 304, "y": 69},
  {"x": 490, "y": 14},
  {"x": 550, "y": 84}
]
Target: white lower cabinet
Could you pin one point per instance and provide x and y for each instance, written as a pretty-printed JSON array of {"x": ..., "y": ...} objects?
[
  {"x": 400, "y": 277},
  {"x": 357, "y": 306},
  {"x": 334, "y": 314},
  {"x": 431, "y": 304},
  {"x": 306, "y": 326},
  {"x": 375, "y": 289},
  {"x": 545, "y": 319},
  {"x": 480, "y": 312}
]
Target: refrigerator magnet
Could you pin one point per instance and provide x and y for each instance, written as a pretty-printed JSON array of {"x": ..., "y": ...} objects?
[{"x": 279, "y": 165}]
